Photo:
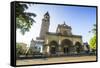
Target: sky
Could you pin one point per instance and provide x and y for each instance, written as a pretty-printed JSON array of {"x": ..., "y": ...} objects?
[{"x": 81, "y": 19}]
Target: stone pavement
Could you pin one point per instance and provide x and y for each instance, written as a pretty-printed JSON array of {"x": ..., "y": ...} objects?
[{"x": 55, "y": 60}]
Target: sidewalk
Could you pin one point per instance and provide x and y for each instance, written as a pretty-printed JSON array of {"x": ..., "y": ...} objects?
[{"x": 55, "y": 60}]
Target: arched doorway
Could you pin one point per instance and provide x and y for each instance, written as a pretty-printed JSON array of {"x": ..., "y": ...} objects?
[
  {"x": 53, "y": 47},
  {"x": 66, "y": 46},
  {"x": 78, "y": 47}
]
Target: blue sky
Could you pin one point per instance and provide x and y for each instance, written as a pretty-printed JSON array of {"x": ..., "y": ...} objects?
[{"x": 81, "y": 19}]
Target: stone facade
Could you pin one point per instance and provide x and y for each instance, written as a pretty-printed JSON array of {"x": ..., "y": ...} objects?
[
  {"x": 36, "y": 45},
  {"x": 62, "y": 41},
  {"x": 44, "y": 26},
  {"x": 32, "y": 44},
  {"x": 64, "y": 29}
]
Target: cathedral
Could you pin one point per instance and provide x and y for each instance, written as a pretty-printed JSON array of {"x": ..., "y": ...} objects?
[{"x": 60, "y": 42}]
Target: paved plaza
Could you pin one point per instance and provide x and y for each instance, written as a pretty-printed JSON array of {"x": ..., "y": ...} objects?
[{"x": 55, "y": 60}]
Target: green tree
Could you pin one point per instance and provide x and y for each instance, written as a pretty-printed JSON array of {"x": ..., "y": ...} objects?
[
  {"x": 19, "y": 50},
  {"x": 30, "y": 52},
  {"x": 24, "y": 20},
  {"x": 93, "y": 30},
  {"x": 92, "y": 41}
]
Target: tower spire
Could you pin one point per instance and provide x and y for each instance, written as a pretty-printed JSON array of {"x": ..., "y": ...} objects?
[
  {"x": 45, "y": 25},
  {"x": 47, "y": 13},
  {"x": 64, "y": 23}
]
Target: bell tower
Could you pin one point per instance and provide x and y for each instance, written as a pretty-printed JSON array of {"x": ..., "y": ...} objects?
[{"x": 45, "y": 25}]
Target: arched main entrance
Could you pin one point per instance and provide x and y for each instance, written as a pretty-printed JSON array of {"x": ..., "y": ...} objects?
[
  {"x": 66, "y": 46},
  {"x": 53, "y": 47},
  {"x": 78, "y": 47}
]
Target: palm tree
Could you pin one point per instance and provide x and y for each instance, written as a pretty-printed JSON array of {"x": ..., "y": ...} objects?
[{"x": 24, "y": 20}]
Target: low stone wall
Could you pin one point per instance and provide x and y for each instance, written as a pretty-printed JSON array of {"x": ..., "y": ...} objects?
[{"x": 51, "y": 56}]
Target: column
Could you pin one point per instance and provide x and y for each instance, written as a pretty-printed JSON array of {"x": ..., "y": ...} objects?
[
  {"x": 59, "y": 48},
  {"x": 48, "y": 49}
]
